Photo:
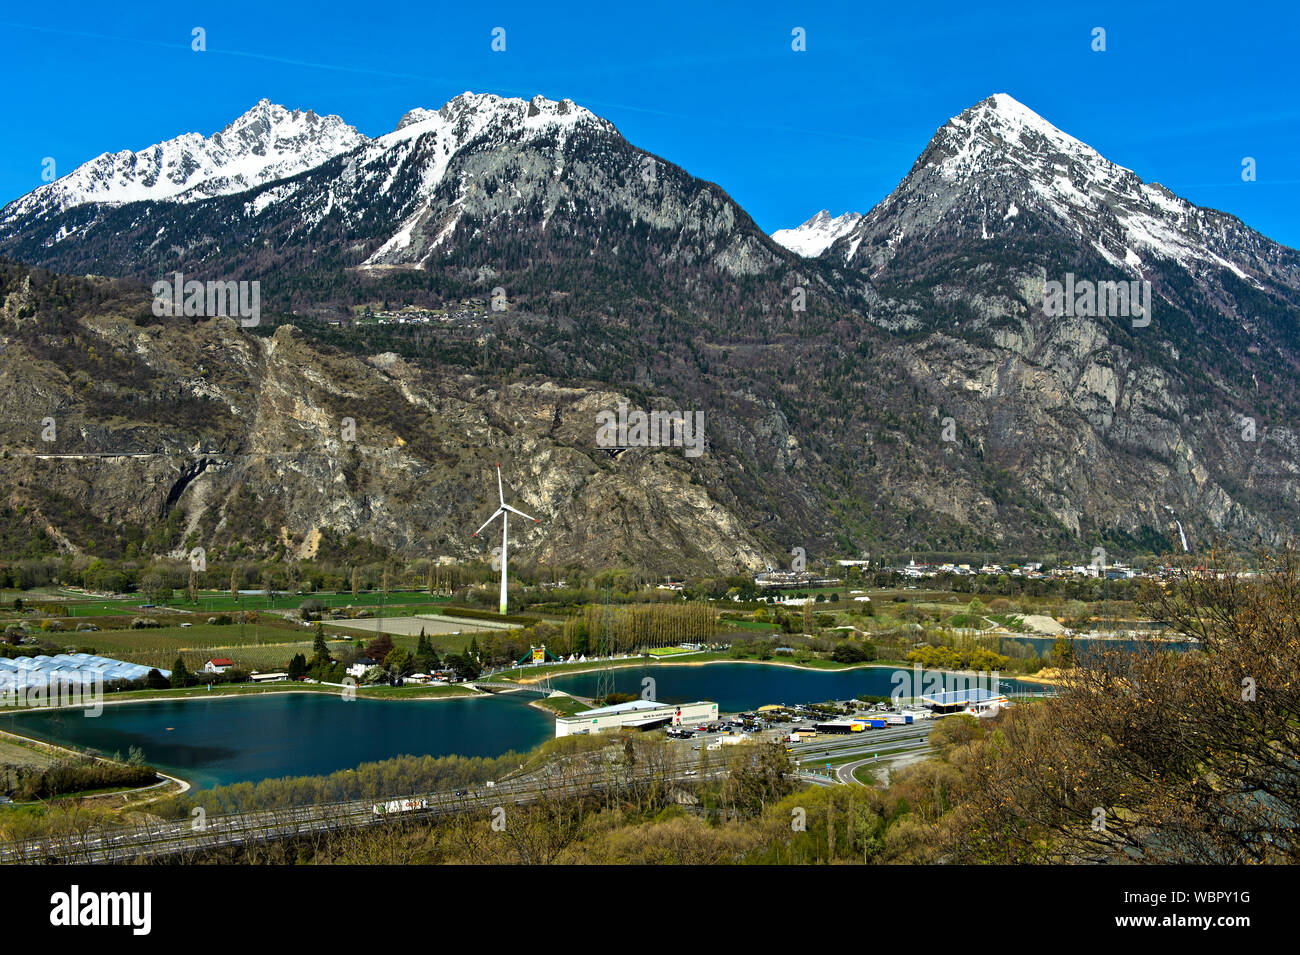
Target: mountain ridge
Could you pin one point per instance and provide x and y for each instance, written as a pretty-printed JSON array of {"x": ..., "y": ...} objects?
[
  {"x": 266, "y": 143},
  {"x": 920, "y": 397}
]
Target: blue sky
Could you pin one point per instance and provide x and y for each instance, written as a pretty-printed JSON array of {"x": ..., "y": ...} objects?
[{"x": 1182, "y": 94}]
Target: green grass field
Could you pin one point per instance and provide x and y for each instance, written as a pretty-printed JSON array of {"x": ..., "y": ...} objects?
[
  {"x": 218, "y": 601},
  {"x": 866, "y": 775},
  {"x": 752, "y": 626},
  {"x": 260, "y": 645},
  {"x": 265, "y": 645},
  {"x": 563, "y": 705},
  {"x": 28, "y": 755}
]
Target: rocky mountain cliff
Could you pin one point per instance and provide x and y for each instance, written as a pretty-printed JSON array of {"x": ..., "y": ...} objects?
[
  {"x": 1110, "y": 417},
  {"x": 275, "y": 445},
  {"x": 904, "y": 389}
]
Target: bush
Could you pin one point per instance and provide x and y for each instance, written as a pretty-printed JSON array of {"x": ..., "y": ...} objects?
[
  {"x": 71, "y": 776},
  {"x": 853, "y": 653}
]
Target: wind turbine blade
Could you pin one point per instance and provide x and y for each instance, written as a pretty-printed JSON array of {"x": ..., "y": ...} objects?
[
  {"x": 514, "y": 510},
  {"x": 500, "y": 492},
  {"x": 489, "y": 521}
]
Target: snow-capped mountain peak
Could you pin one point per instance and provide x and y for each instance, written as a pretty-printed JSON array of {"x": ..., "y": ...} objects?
[
  {"x": 995, "y": 167},
  {"x": 426, "y": 142},
  {"x": 469, "y": 115},
  {"x": 269, "y": 143},
  {"x": 1001, "y": 133},
  {"x": 266, "y": 143},
  {"x": 815, "y": 236},
  {"x": 1001, "y": 122}
]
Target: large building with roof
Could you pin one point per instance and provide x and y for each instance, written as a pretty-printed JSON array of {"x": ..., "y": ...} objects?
[
  {"x": 639, "y": 715},
  {"x": 976, "y": 701}
]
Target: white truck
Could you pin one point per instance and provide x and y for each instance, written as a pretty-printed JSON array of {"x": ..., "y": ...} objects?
[{"x": 399, "y": 805}]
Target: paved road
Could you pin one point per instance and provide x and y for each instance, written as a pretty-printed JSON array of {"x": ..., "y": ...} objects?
[
  {"x": 158, "y": 840},
  {"x": 844, "y": 772},
  {"x": 909, "y": 740},
  {"x": 873, "y": 740}
]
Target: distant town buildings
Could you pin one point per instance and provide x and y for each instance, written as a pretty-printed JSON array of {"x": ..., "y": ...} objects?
[
  {"x": 1033, "y": 570},
  {"x": 469, "y": 312},
  {"x": 788, "y": 579}
]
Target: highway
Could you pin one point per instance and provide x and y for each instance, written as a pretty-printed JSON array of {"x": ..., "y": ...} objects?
[
  {"x": 158, "y": 839},
  {"x": 162, "y": 839},
  {"x": 866, "y": 741},
  {"x": 900, "y": 741}
]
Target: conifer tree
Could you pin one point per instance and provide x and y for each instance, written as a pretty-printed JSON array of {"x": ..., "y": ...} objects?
[{"x": 180, "y": 674}]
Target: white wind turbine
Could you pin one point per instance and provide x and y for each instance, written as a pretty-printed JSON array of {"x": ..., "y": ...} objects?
[{"x": 505, "y": 538}]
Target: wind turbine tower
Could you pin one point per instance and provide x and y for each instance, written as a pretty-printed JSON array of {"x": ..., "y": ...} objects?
[{"x": 501, "y": 512}]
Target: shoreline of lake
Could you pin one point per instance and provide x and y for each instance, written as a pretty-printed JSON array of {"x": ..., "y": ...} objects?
[
  {"x": 236, "y": 690},
  {"x": 846, "y": 668},
  {"x": 183, "y": 785},
  {"x": 270, "y": 735}
]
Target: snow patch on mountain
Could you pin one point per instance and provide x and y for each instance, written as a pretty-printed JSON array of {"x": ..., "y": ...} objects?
[{"x": 815, "y": 236}]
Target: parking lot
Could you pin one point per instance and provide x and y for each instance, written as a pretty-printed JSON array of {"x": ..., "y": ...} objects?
[{"x": 818, "y": 753}]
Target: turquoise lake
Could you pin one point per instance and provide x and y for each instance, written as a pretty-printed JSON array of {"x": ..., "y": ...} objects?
[
  {"x": 743, "y": 686},
  {"x": 229, "y": 739}
]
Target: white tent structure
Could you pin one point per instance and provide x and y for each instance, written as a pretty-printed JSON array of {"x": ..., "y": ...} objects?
[{"x": 19, "y": 673}]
